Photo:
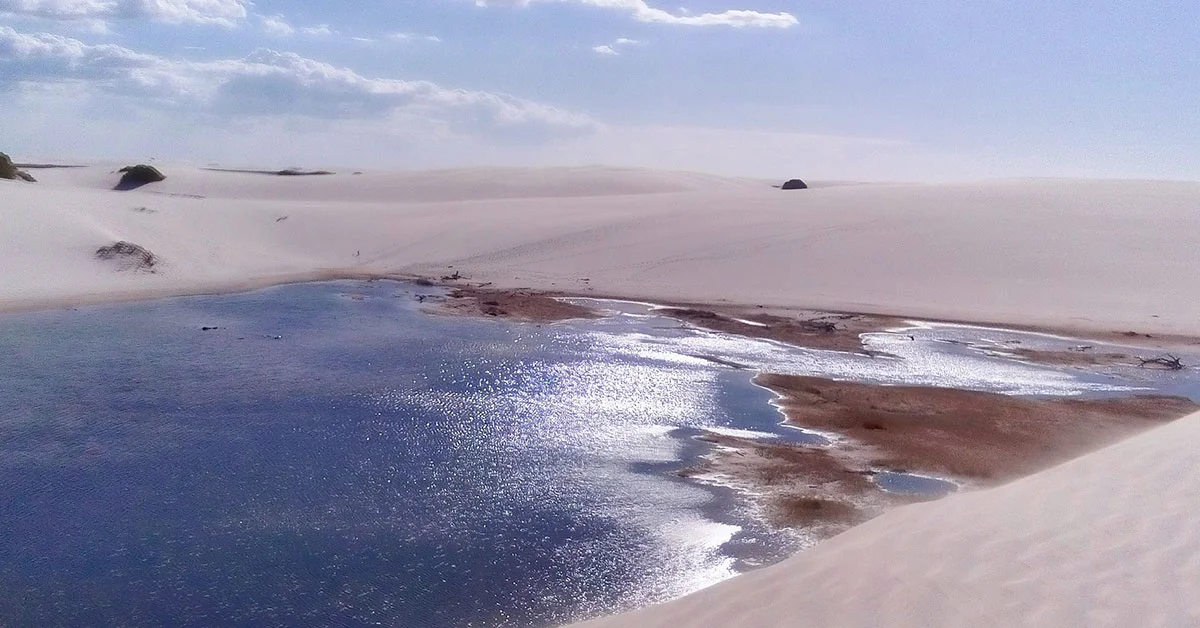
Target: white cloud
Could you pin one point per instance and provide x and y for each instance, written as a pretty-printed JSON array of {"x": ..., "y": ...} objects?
[
  {"x": 223, "y": 12},
  {"x": 268, "y": 84},
  {"x": 406, "y": 37},
  {"x": 277, "y": 26},
  {"x": 643, "y": 12},
  {"x": 613, "y": 49},
  {"x": 320, "y": 30}
]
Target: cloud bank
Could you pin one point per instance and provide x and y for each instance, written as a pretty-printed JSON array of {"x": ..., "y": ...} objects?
[
  {"x": 266, "y": 83},
  {"x": 222, "y": 12}
]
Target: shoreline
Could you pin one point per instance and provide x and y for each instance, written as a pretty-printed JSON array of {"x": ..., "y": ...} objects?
[
  {"x": 695, "y": 312},
  {"x": 849, "y": 463}
]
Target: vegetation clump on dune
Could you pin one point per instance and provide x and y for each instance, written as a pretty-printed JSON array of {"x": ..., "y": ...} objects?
[
  {"x": 129, "y": 256},
  {"x": 137, "y": 176},
  {"x": 300, "y": 172},
  {"x": 8, "y": 170},
  {"x": 794, "y": 184}
]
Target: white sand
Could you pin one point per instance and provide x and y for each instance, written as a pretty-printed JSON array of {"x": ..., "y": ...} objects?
[
  {"x": 1093, "y": 255},
  {"x": 1111, "y": 539}
]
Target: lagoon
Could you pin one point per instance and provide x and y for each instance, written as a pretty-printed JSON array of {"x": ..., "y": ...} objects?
[{"x": 330, "y": 454}]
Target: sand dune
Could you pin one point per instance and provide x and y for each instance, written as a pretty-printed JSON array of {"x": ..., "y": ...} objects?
[
  {"x": 1094, "y": 255},
  {"x": 1109, "y": 539}
]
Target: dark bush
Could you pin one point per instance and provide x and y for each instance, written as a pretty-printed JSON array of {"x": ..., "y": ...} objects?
[
  {"x": 795, "y": 184},
  {"x": 136, "y": 176}
]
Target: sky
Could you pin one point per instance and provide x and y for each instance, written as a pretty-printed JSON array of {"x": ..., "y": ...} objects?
[{"x": 823, "y": 89}]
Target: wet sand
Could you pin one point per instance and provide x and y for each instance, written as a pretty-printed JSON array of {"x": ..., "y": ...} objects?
[
  {"x": 985, "y": 437},
  {"x": 978, "y": 439},
  {"x": 1075, "y": 357},
  {"x": 520, "y": 305},
  {"x": 834, "y": 331}
]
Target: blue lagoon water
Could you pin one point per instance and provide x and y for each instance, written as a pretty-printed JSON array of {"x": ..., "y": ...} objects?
[{"x": 330, "y": 455}]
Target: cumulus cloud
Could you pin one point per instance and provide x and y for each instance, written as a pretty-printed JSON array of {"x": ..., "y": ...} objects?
[
  {"x": 276, "y": 25},
  {"x": 223, "y": 12},
  {"x": 643, "y": 12},
  {"x": 267, "y": 83}
]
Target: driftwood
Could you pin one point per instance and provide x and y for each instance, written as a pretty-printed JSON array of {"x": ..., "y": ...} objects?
[{"x": 1167, "y": 361}]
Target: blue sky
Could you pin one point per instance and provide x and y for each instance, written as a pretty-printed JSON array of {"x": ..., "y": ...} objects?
[{"x": 824, "y": 89}]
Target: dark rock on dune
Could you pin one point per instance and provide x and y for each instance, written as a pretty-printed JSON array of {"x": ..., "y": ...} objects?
[
  {"x": 134, "y": 177},
  {"x": 8, "y": 170},
  {"x": 795, "y": 184}
]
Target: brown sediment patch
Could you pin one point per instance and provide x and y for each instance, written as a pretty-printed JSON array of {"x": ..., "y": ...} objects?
[
  {"x": 977, "y": 438},
  {"x": 813, "y": 512},
  {"x": 526, "y": 305},
  {"x": 807, "y": 487},
  {"x": 813, "y": 329},
  {"x": 985, "y": 437},
  {"x": 1073, "y": 357}
]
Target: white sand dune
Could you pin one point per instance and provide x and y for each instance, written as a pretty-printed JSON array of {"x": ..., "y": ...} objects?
[
  {"x": 1094, "y": 255},
  {"x": 1110, "y": 539}
]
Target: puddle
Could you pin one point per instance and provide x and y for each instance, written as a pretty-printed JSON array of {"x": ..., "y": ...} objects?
[{"x": 913, "y": 484}]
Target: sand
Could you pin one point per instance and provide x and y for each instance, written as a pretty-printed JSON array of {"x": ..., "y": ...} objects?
[
  {"x": 1099, "y": 256},
  {"x": 1108, "y": 539}
]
